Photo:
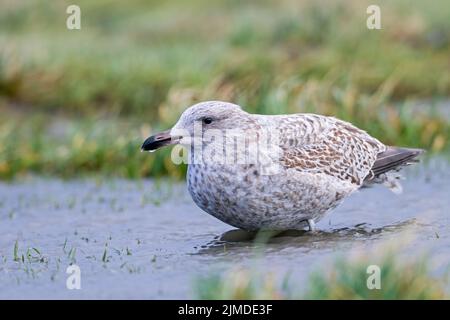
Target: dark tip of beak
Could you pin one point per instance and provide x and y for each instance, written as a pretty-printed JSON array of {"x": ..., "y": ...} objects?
[{"x": 157, "y": 141}]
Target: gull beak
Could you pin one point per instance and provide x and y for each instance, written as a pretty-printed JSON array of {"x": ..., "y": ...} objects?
[{"x": 159, "y": 140}]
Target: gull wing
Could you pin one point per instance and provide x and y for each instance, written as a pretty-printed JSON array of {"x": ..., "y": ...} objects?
[{"x": 319, "y": 144}]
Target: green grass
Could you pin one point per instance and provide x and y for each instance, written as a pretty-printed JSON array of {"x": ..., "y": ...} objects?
[
  {"x": 135, "y": 66},
  {"x": 73, "y": 148},
  {"x": 345, "y": 278},
  {"x": 411, "y": 280},
  {"x": 240, "y": 284}
]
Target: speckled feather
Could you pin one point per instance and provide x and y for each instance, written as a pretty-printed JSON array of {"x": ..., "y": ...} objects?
[{"x": 321, "y": 161}]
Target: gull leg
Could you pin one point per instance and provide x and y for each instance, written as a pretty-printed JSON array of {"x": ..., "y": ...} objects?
[{"x": 311, "y": 225}]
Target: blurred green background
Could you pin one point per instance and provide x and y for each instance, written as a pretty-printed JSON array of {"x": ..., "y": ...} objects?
[{"x": 76, "y": 102}]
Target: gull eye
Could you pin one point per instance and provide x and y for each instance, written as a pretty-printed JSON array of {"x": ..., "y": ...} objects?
[{"x": 207, "y": 120}]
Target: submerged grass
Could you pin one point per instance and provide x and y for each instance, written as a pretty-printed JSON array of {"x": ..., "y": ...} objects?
[{"x": 134, "y": 66}]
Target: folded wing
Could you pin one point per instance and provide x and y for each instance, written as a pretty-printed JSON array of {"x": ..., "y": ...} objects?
[{"x": 328, "y": 145}]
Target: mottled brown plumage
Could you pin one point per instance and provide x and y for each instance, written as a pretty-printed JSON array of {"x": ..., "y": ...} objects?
[{"x": 310, "y": 165}]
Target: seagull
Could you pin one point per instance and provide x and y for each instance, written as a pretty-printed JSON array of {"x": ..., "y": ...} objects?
[{"x": 285, "y": 171}]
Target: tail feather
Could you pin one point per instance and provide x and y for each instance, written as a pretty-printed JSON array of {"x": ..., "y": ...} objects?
[
  {"x": 388, "y": 162},
  {"x": 394, "y": 158}
]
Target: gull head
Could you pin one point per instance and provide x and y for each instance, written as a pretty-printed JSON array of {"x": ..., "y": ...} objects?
[{"x": 209, "y": 115}]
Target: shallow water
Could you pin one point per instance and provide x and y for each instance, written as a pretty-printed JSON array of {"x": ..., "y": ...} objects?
[{"x": 143, "y": 239}]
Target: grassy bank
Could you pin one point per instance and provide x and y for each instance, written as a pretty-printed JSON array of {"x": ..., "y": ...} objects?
[{"x": 134, "y": 66}]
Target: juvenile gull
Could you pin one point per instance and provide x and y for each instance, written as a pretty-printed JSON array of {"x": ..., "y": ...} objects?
[{"x": 319, "y": 161}]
